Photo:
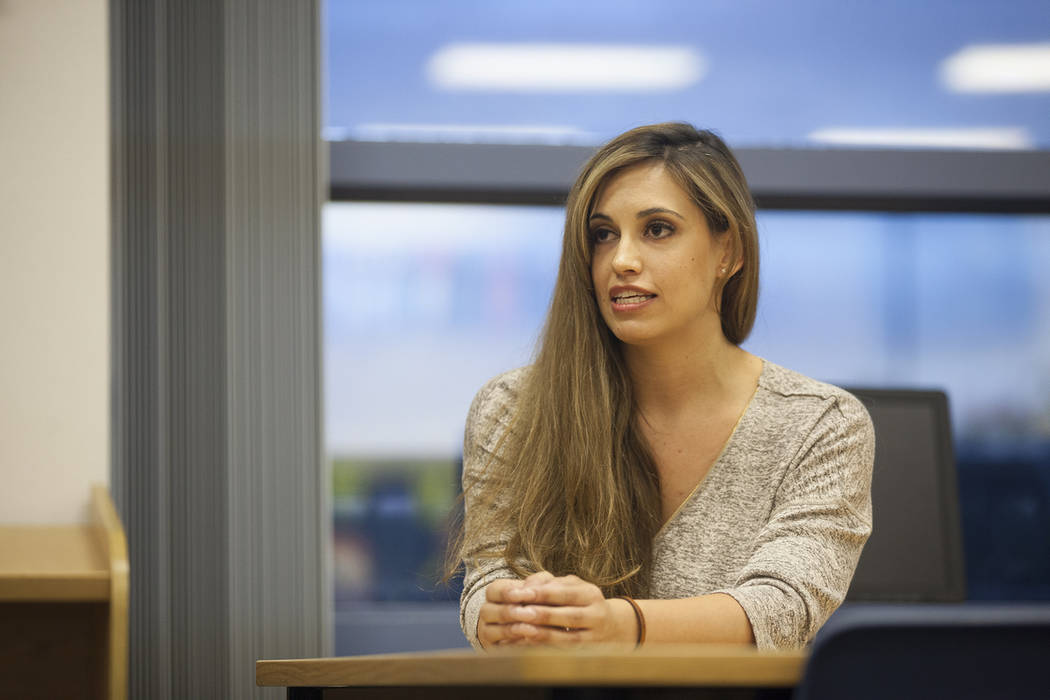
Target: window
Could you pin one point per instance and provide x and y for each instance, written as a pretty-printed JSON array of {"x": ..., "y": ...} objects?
[{"x": 425, "y": 302}]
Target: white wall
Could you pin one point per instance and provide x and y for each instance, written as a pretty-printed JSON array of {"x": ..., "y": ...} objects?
[{"x": 54, "y": 257}]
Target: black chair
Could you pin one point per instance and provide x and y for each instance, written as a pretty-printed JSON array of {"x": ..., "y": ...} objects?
[
  {"x": 962, "y": 652},
  {"x": 915, "y": 550}
]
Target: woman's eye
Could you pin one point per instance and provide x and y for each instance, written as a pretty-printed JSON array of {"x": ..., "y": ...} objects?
[
  {"x": 602, "y": 235},
  {"x": 659, "y": 229}
]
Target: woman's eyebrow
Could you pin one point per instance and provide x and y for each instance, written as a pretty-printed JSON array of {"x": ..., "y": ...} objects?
[
  {"x": 658, "y": 210},
  {"x": 641, "y": 215}
]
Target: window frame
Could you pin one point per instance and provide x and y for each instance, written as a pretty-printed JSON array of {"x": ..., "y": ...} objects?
[{"x": 1016, "y": 182}]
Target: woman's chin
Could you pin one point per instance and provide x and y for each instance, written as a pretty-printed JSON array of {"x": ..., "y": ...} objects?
[{"x": 635, "y": 336}]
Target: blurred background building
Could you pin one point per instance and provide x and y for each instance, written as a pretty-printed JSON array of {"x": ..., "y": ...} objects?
[{"x": 878, "y": 138}]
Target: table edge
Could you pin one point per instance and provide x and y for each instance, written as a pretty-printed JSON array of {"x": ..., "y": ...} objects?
[{"x": 659, "y": 666}]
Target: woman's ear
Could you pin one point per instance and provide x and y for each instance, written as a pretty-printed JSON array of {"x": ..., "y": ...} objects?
[{"x": 732, "y": 258}]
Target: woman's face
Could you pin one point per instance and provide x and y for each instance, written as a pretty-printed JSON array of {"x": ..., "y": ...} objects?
[{"x": 655, "y": 265}]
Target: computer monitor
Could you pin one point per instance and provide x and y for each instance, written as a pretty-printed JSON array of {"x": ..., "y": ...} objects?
[{"x": 915, "y": 550}]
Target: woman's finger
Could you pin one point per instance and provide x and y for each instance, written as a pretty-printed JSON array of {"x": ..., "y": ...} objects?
[
  {"x": 531, "y": 635},
  {"x": 503, "y": 613},
  {"x": 538, "y": 578},
  {"x": 496, "y": 592},
  {"x": 561, "y": 616},
  {"x": 497, "y": 633},
  {"x": 524, "y": 593},
  {"x": 566, "y": 592}
]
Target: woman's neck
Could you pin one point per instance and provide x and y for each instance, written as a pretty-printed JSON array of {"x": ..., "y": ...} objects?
[{"x": 670, "y": 378}]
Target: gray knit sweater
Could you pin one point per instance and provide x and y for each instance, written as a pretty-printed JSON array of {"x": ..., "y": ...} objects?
[{"x": 778, "y": 522}]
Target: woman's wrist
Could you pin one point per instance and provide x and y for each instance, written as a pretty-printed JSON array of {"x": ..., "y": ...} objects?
[{"x": 628, "y": 621}]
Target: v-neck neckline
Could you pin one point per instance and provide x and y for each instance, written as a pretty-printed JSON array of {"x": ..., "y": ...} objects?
[{"x": 718, "y": 460}]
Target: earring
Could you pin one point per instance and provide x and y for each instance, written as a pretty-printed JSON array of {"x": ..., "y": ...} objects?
[{"x": 723, "y": 270}]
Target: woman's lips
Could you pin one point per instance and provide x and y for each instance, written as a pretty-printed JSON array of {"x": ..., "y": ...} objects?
[{"x": 630, "y": 300}]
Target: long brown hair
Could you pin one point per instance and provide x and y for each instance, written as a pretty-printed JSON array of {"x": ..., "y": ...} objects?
[{"x": 571, "y": 481}]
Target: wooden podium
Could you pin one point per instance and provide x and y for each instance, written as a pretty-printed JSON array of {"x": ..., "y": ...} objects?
[
  {"x": 64, "y": 607},
  {"x": 656, "y": 671}
]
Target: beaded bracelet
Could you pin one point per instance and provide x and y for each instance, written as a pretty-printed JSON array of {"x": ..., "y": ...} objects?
[{"x": 641, "y": 619}]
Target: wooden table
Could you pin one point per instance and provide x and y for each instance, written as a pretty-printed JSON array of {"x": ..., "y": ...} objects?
[
  {"x": 658, "y": 671},
  {"x": 64, "y": 607}
]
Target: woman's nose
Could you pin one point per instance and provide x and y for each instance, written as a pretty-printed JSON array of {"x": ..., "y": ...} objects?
[{"x": 627, "y": 257}]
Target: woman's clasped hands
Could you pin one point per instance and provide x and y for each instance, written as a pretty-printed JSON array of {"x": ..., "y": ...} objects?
[{"x": 548, "y": 610}]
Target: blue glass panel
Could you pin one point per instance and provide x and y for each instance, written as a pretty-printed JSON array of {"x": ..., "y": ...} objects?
[
  {"x": 767, "y": 73},
  {"x": 424, "y": 302}
]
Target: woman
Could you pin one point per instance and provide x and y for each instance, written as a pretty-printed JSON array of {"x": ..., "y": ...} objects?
[{"x": 645, "y": 455}]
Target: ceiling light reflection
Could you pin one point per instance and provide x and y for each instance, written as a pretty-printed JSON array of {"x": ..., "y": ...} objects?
[
  {"x": 997, "y": 138},
  {"x": 540, "y": 134},
  {"x": 998, "y": 68},
  {"x": 564, "y": 67}
]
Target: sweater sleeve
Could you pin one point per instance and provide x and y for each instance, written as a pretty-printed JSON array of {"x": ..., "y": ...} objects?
[
  {"x": 803, "y": 559},
  {"x": 488, "y": 418}
]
